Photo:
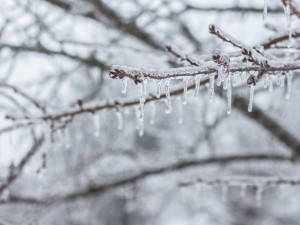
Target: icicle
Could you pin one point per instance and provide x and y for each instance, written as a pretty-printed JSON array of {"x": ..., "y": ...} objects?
[
  {"x": 124, "y": 85},
  {"x": 251, "y": 98},
  {"x": 234, "y": 80},
  {"x": 265, "y": 9},
  {"x": 96, "y": 125},
  {"x": 271, "y": 84},
  {"x": 141, "y": 127},
  {"x": 158, "y": 89},
  {"x": 225, "y": 83},
  {"x": 142, "y": 91},
  {"x": 197, "y": 86},
  {"x": 185, "y": 85},
  {"x": 289, "y": 84},
  {"x": 224, "y": 192},
  {"x": 244, "y": 77},
  {"x": 120, "y": 120},
  {"x": 229, "y": 93},
  {"x": 287, "y": 11},
  {"x": 258, "y": 196},
  {"x": 243, "y": 190},
  {"x": 67, "y": 140},
  {"x": 266, "y": 81},
  {"x": 180, "y": 111},
  {"x": 152, "y": 104},
  {"x": 220, "y": 78},
  {"x": 278, "y": 79},
  {"x": 168, "y": 97},
  {"x": 282, "y": 79},
  {"x": 211, "y": 86}
]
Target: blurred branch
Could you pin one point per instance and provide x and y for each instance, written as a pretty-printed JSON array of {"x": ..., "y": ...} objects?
[
  {"x": 15, "y": 171},
  {"x": 178, "y": 166},
  {"x": 91, "y": 61},
  {"x": 110, "y": 18},
  {"x": 253, "y": 181},
  {"x": 24, "y": 95}
]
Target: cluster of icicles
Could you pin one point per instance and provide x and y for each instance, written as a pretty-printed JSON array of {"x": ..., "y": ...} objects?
[
  {"x": 226, "y": 78},
  {"x": 204, "y": 187}
]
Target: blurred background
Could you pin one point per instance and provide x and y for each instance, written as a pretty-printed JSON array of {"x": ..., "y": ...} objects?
[{"x": 196, "y": 165}]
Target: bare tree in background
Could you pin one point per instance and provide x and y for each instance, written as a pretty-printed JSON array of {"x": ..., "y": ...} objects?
[{"x": 202, "y": 129}]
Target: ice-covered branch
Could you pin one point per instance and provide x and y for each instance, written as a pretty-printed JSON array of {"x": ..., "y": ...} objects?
[
  {"x": 138, "y": 74},
  {"x": 252, "y": 54},
  {"x": 253, "y": 181},
  {"x": 174, "y": 167}
]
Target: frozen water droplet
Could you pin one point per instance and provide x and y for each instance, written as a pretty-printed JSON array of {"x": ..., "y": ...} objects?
[
  {"x": 124, "y": 85},
  {"x": 96, "y": 125},
  {"x": 152, "y": 104},
  {"x": 185, "y": 85},
  {"x": 251, "y": 87},
  {"x": 168, "y": 97},
  {"x": 158, "y": 89},
  {"x": 120, "y": 120},
  {"x": 211, "y": 86},
  {"x": 289, "y": 84},
  {"x": 229, "y": 94},
  {"x": 197, "y": 86}
]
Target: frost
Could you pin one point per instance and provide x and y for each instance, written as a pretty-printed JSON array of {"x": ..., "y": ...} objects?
[
  {"x": 185, "y": 85},
  {"x": 168, "y": 97},
  {"x": 251, "y": 87}
]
